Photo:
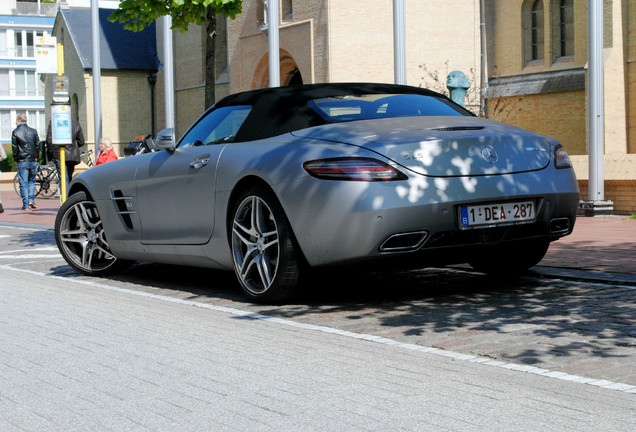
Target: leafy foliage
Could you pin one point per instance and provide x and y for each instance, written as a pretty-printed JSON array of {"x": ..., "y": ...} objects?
[
  {"x": 8, "y": 164},
  {"x": 137, "y": 14}
]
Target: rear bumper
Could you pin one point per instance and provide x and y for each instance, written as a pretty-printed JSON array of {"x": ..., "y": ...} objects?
[{"x": 336, "y": 222}]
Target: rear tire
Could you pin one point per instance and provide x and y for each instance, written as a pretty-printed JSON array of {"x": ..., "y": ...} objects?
[
  {"x": 511, "y": 259},
  {"x": 81, "y": 239},
  {"x": 266, "y": 259},
  {"x": 50, "y": 182}
]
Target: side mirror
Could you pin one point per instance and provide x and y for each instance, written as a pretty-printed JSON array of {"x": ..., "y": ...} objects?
[{"x": 165, "y": 140}]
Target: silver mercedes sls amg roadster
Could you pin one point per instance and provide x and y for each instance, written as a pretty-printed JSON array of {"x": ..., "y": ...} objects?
[{"x": 271, "y": 183}]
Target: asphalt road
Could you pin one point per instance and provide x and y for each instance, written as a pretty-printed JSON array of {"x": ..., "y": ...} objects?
[{"x": 172, "y": 348}]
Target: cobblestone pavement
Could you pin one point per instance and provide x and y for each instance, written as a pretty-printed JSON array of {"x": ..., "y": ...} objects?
[{"x": 571, "y": 324}]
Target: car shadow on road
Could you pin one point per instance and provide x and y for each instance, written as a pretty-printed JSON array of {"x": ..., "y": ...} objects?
[
  {"x": 35, "y": 238},
  {"x": 443, "y": 307}
]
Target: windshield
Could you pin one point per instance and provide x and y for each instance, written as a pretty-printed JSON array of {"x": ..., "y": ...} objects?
[{"x": 366, "y": 107}]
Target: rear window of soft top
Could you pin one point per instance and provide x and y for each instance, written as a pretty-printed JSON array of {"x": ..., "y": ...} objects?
[{"x": 374, "y": 106}]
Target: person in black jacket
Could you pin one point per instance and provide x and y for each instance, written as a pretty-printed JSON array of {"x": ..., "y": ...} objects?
[
  {"x": 25, "y": 144},
  {"x": 3, "y": 156}
]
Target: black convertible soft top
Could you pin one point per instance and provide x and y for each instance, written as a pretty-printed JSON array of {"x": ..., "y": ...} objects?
[{"x": 280, "y": 110}]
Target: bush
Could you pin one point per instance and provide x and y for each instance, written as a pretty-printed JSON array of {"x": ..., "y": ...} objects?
[{"x": 8, "y": 164}]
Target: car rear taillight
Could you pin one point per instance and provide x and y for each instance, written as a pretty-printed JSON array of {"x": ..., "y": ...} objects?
[
  {"x": 561, "y": 158},
  {"x": 352, "y": 169}
]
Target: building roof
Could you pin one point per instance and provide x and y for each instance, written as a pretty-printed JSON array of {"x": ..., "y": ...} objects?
[
  {"x": 539, "y": 83},
  {"x": 120, "y": 48}
]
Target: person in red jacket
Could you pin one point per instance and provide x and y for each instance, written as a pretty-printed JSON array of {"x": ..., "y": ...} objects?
[{"x": 106, "y": 152}]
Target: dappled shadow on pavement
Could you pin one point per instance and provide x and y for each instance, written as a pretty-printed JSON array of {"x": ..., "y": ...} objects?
[
  {"x": 584, "y": 328},
  {"x": 32, "y": 238},
  {"x": 527, "y": 320}
]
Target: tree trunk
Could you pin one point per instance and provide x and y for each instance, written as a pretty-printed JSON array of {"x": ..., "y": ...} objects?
[{"x": 210, "y": 57}]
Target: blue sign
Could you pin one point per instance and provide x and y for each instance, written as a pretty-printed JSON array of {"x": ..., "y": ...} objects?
[{"x": 61, "y": 126}]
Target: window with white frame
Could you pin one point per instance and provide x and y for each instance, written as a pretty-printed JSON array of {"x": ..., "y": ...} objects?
[
  {"x": 5, "y": 87},
  {"x": 25, "y": 43},
  {"x": 26, "y": 83},
  {"x": 35, "y": 119},
  {"x": 4, "y": 52},
  {"x": 5, "y": 125}
]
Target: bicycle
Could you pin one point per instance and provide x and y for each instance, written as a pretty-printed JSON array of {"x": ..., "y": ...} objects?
[
  {"x": 85, "y": 156},
  {"x": 47, "y": 181}
]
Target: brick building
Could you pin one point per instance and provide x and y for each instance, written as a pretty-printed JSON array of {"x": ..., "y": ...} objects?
[
  {"x": 329, "y": 41},
  {"x": 537, "y": 74},
  {"x": 128, "y": 66},
  {"x": 535, "y": 60}
]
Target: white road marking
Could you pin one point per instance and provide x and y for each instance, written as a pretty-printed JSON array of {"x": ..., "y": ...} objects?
[
  {"x": 29, "y": 256},
  {"x": 43, "y": 249},
  {"x": 17, "y": 254},
  {"x": 627, "y": 388}
]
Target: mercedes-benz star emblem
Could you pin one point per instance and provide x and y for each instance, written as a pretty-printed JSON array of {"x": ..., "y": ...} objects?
[{"x": 489, "y": 154}]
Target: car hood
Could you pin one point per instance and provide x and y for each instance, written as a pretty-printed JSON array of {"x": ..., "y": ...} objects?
[{"x": 443, "y": 146}]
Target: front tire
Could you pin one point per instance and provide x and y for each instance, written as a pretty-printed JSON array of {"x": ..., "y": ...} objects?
[
  {"x": 81, "y": 239},
  {"x": 511, "y": 259},
  {"x": 266, "y": 259}
]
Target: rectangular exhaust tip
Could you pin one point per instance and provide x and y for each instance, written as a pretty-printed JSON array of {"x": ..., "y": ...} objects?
[
  {"x": 559, "y": 225},
  {"x": 404, "y": 241}
]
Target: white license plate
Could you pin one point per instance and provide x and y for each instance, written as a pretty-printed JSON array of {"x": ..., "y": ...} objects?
[{"x": 496, "y": 214}]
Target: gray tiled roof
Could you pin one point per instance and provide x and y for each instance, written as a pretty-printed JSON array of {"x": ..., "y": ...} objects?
[
  {"x": 120, "y": 48},
  {"x": 547, "y": 82}
]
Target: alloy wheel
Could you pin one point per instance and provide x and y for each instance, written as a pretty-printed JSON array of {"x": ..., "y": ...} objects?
[
  {"x": 81, "y": 237},
  {"x": 255, "y": 244}
]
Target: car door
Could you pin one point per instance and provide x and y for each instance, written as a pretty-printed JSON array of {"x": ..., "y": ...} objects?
[{"x": 176, "y": 190}]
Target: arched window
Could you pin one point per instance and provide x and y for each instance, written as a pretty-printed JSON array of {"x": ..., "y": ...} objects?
[
  {"x": 537, "y": 46},
  {"x": 533, "y": 30},
  {"x": 565, "y": 42}
]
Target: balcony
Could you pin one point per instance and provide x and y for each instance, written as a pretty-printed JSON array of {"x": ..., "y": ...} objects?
[
  {"x": 32, "y": 8},
  {"x": 27, "y": 52}
]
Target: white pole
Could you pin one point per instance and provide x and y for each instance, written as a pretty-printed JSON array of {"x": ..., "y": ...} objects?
[
  {"x": 484, "y": 58},
  {"x": 97, "y": 73},
  {"x": 273, "y": 43},
  {"x": 168, "y": 70},
  {"x": 399, "y": 41},
  {"x": 596, "y": 110}
]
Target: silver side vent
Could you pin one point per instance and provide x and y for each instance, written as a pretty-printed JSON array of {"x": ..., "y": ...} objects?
[{"x": 125, "y": 206}]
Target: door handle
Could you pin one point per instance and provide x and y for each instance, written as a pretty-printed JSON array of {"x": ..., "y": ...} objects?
[{"x": 200, "y": 163}]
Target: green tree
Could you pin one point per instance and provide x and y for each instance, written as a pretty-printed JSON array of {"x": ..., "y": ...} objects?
[{"x": 137, "y": 14}]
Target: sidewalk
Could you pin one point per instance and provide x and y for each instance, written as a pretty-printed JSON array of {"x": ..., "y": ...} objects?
[
  {"x": 12, "y": 203},
  {"x": 598, "y": 244}
]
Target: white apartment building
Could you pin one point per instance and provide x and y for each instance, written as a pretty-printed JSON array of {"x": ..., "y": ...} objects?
[{"x": 21, "y": 22}]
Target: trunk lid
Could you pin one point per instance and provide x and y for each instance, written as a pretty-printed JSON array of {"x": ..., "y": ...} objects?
[{"x": 443, "y": 146}]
